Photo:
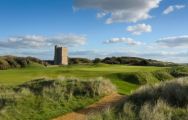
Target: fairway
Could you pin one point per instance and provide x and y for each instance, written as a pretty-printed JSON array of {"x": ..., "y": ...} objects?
[{"x": 18, "y": 76}]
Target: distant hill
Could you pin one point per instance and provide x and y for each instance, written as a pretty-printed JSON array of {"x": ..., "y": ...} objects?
[
  {"x": 135, "y": 61},
  {"x": 185, "y": 64},
  {"x": 7, "y": 62},
  {"x": 122, "y": 60}
]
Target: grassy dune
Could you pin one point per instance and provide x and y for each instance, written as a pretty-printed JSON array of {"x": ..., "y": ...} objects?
[
  {"x": 164, "y": 101},
  {"x": 44, "y": 99}
]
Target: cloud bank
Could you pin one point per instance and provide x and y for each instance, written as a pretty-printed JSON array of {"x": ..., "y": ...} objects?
[
  {"x": 174, "y": 41},
  {"x": 120, "y": 10},
  {"x": 38, "y": 41}
]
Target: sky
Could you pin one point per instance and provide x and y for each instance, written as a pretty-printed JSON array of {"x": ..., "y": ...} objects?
[{"x": 154, "y": 29}]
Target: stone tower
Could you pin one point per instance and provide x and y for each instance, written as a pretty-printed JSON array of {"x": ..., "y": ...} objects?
[{"x": 61, "y": 55}]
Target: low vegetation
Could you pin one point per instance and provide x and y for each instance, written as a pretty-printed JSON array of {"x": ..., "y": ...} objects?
[
  {"x": 122, "y": 60},
  {"x": 79, "y": 61},
  {"x": 163, "y": 101},
  {"x": 7, "y": 62},
  {"x": 126, "y": 78},
  {"x": 44, "y": 99},
  {"x": 134, "y": 61}
]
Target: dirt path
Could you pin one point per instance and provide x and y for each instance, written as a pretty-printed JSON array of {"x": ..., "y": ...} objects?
[{"x": 108, "y": 101}]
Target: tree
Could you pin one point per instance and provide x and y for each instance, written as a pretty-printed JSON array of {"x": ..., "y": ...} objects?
[{"x": 97, "y": 60}]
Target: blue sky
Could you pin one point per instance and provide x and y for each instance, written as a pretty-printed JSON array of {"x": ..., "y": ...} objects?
[{"x": 155, "y": 29}]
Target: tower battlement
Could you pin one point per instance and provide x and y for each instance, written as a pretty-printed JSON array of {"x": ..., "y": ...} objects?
[{"x": 61, "y": 55}]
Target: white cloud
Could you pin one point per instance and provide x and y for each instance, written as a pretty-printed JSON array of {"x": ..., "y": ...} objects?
[
  {"x": 174, "y": 41},
  {"x": 38, "y": 41},
  {"x": 128, "y": 41},
  {"x": 139, "y": 29},
  {"x": 101, "y": 14},
  {"x": 179, "y": 6},
  {"x": 120, "y": 10},
  {"x": 172, "y": 8}
]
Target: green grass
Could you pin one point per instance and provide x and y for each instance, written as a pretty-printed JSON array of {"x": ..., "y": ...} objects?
[
  {"x": 164, "y": 101},
  {"x": 49, "y": 102},
  {"x": 35, "y": 71},
  {"x": 126, "y": 78},
  {"x": 46, "y": 99}
]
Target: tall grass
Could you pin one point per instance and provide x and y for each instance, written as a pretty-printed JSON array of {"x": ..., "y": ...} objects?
[
  {"x": 43, "y": 99},
  {"x": 164, "y": 101}
]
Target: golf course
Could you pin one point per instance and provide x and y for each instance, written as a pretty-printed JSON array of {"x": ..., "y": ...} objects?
[
  {"x": 31, "y": 89},
  {"x": 120, "y": 75}
]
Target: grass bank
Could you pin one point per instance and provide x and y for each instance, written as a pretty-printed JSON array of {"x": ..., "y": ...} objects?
[
  {"x": 163, "y": 101},
  {"x": 44, "y": 99}
]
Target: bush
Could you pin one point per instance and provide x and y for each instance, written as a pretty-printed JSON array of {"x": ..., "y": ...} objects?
[
  {"x": 79, "y": 61},
  {"x": 22, "y": 62},
  {"x": 135, "y": 61},
  {"x": 7, "y": 62},
  {"x": 4, "y": 64},
  {"x": 12, "y": 62},
  {"x": 97, "y": 60}
]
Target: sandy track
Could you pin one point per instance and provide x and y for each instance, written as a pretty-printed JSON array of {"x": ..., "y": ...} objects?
[{"x": 108, "y": 101}]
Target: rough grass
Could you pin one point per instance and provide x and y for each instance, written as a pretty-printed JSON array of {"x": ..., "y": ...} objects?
[
  {"x": 44, "y": 99},
  {"x": 164, "y": 101}
]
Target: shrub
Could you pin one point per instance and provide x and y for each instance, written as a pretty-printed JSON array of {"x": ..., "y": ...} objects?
[
  {"x": 135, "y": 61},
  {"x": 97, "y": 60},
  {"x": 7, "y": 62},
  {"x": 12, "y": 62},
  {"x": 4, "y": 64},
  {"x": 22, "y": 62},
  {"x": 79, "y": 61}
]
